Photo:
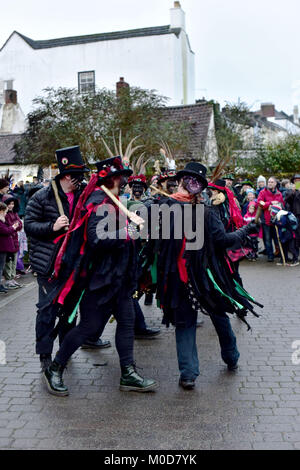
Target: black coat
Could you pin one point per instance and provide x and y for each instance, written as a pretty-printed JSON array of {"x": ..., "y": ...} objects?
[
  {"x": 114, "y": 258},
  {"x": 40, "y": 216},
  {"x": 211, "y": 260}
]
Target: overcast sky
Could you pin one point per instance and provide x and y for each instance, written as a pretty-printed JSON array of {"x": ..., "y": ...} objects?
[{"x": 244, "y": 49}]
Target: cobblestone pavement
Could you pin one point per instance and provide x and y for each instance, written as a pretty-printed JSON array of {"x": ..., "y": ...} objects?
[{"x": 257, "y": 407}]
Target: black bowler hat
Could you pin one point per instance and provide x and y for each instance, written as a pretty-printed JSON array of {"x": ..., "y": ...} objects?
[
  {"x": 195, "y": 169},
  {"x": 69, "y": 160},
  {"x": 112, "y": 167}
]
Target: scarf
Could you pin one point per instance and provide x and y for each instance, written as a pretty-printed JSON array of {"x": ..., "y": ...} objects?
[{"x": 182, "y": 197}]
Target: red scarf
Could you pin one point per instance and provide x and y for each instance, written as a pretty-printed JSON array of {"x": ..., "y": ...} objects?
[{"x": 181, "y": 197}]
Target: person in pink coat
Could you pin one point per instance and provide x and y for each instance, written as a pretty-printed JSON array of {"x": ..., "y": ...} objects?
[
  {"x": 12, "y": 219},
  {"x": 7, "y": 245},
  {"x": 266, "y": 198}
]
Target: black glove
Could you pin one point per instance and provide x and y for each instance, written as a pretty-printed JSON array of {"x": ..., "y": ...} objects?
[{"x": 252, "y": 227}]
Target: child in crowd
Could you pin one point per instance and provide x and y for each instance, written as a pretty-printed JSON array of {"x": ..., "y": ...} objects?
[
  {"x": 7, "y": 245},
  {"x": 250, "y": 217},
  {"x": 12, "y": 219}
]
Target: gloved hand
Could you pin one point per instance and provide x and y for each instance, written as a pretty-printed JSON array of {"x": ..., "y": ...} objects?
[{"x": 252, "y": 227}]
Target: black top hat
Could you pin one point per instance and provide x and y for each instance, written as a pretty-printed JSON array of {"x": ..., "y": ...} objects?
[
  {"x": 220, "y": 182},
  {"x": 195, "y": 169},
  {"x": 112, "y": 167},
  {"x": 69, "y": 160}
]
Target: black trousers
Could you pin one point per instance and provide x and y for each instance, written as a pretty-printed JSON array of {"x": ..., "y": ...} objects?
[
  {"x": 139, "y": 323},
  {"x": 93, "y": 318},
  {"x": 45, "y": 321}
]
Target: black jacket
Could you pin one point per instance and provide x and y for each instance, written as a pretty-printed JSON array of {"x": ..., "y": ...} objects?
[{"x": 40, "y": 216}]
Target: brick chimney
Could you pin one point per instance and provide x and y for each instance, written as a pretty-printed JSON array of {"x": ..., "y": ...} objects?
[
  {"x": 121, "y": 84},
  {"x": 296, "y": 115},
  {"x": 10, "y": 96},
  {"x": 177, "y": 17},
  {"x": 267, "y": 110}
]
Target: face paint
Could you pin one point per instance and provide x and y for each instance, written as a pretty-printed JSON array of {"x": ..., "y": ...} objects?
[
  {"x": 77, "y": 179},
  {"x": 172, "y": 186},
  {"x": 193, "y": 185},
  {"x": 137, "y": 190}
]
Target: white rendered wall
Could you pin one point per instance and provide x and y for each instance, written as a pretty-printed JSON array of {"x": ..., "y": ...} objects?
[{"x": 150, "y": 62}]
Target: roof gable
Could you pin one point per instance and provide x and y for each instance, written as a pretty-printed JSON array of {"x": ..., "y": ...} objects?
[{"x": 199, "y": 116}]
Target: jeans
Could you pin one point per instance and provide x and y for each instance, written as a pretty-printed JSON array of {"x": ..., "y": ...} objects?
[
  {"x": 187, "y": 354},
  {"x": 227, "y": 339},
  {"x": 45, "y": 321},
  {"x": 269, "y": 235},
  {"x": 11, "y": 267},
  {"x": 187, "y": 348},
  {"x": 94, "y": 316}
]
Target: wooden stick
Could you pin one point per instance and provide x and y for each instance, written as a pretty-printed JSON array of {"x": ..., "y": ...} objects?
[
  {"x": 58, "y": 201},
  {"x": 258, "y": 214},
  {"x": 280, "y": 246},
  {"x": 160, "y": 191},
  {"x": 117, "y": 202}
]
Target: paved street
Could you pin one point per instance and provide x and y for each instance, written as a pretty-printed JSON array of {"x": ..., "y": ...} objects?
[{"x": 257, "y": 407}]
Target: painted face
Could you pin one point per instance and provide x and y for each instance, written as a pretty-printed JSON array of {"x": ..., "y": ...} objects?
[
  {"x": 172, "y": 186},
  {"x": 76, "y": 179},
  {"x": 137, "y": 189},
  {"x": 193, "y": 185}
]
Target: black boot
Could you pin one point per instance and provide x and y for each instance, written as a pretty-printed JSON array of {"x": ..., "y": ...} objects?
[
  {"x": 45, "y": 360},
  {"x": 148, "y": 298},
  {"x": 54, "y": 381},
  {"x": 132, "y": 381}
]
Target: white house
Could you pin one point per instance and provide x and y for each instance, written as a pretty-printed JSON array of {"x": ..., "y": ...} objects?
[{"x": 157, "y": 58}]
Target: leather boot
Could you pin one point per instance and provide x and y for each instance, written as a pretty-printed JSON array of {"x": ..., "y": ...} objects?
[
  {"x": 45, "y": 360},
  {"x": 132, "y": 381},
  {"x": 54, "y": 380}
]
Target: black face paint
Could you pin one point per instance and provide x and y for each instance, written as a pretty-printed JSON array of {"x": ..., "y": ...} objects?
[
  {"x": 137, "y": 190},
  {"x": 172, "y": 186},
  {"x": 76, "y": 179}
]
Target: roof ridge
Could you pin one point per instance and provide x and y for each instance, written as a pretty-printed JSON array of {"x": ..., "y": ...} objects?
[{"x": 71, "y": 40}]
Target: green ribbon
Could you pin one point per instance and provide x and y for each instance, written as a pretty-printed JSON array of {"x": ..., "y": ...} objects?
[
  {"x": 72, "y": 316},
  {"x": 154, "y": 270},
  {"x": 233, "y": 301},
  {"x": 242, "y": 291}
]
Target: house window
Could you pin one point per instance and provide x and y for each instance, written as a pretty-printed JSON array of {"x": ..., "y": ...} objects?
[{"x": 86, "y": 82}]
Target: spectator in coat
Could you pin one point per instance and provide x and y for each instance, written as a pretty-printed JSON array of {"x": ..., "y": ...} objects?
[
  {"x": 260, "y": 184},
  {"x": 21, "y": 194},
  {"x": 13, "y": 220},
  {"x": 268, "y": 196},
  {"x": 6, "y": 241},
  {"x": 4, "y": 187}
]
